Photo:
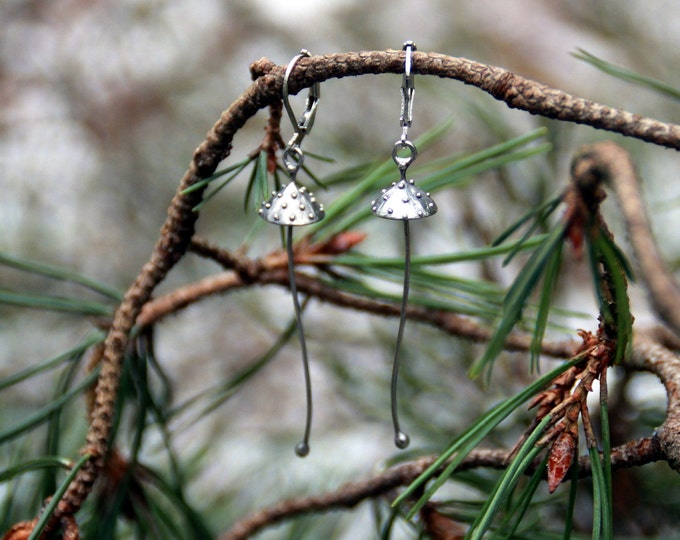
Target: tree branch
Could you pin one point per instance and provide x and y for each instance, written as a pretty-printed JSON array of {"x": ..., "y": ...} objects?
[
  {"x": 650, "y": 356},
  {"x": 612, "y": 164},
  {"x": 634, "y": 453},
  {"x": 351, "y": 494},
  {"x": 272, "y": 270},
  {"x": 517, "y": 92}
]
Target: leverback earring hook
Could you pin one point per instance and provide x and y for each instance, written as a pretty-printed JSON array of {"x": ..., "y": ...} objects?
[
  {"x": 408, "y": 89},
  {"x": 292, "y": 156}
]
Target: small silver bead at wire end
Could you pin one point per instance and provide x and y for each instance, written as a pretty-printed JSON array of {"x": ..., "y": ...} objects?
[
  {"x": 401, "y": 440},
  {"x": 302, "y": 449}
]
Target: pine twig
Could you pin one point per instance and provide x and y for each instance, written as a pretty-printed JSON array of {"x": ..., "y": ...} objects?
[
  {"x": 271, "y": 270},
  {"x": 634, "y": 453},
  {"x": 613, "y": 165},
  {"x": 665, "y": 364}
]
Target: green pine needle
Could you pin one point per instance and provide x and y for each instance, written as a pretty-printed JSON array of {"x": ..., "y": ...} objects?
[
  {"x": 56, "y": 498},
  {"x": 237, "y": 168},
  {"x": 314, "y": 177},
  {"x": 607, "y": 518},
  {"x": 319, "y": 157},
  {"x": 222, "y": 391},
  {"x": 55, "y": 303},
  {"x": 601, "y": 499},
  {"x": 476, "y": 254},
  {"x": 506, "y": 484},
  {"x": 571, "y": 505},
  {"x": 617, "y": 256},
  {"x": 57, "y": 272},
  {"x": 457, "y": 176},
  {"x": 258, "y": 183},
  {"x": 471, "y": 437},
  {"x": 74, "y": 353},
  {"x": 539, "y": 214},
  {"x": 517, "y": 297},
  {"x": 507, "y": 528},
  {"x": 602, "y": 251},
  {"x": 42, "y": 415},
  {"x": 447, "y": 172},
  {"x": 46, "y": 462},
  {"x": 627, "y": 75},
  {"x": 549, "y": 281},
  {"x": 240, "y": 165},
  {"x": 197, "y": 526}
]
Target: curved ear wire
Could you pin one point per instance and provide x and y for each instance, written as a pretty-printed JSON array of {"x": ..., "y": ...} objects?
[
  {"x": 304, "y": 125},
  {"x": 302, "y": 448},
  {"x": 295, "y": 206},
  {"x": 404, "y": 201}
]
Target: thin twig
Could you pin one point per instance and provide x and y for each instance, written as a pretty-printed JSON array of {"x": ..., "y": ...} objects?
[
  {"x": 613, "y": 165},
  {"x": 270, "y": 271},
  {"x": 635, "y": 453},
  {"x": 650, "y": 356}
]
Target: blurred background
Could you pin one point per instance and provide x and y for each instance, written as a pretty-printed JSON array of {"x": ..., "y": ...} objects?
[{"x": 102, "y": 104}]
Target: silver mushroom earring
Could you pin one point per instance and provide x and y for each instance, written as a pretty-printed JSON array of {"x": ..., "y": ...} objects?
[
  {"x": 403, "y": 201},
  {"x": 295, "y": 206}
]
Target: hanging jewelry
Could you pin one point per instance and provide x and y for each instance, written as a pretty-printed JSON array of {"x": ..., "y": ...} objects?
[
  {"x": 403, "y": 201},
  {"x": 295, "y": 206}
]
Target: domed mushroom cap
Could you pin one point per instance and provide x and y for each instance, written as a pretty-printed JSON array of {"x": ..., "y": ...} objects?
[
  {"x": 403, "y": 200},
  {"x": 292, "y": 205}
]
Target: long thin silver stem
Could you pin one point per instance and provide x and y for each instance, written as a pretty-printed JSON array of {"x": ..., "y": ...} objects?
[
  {"x": 401, "y": 439},
  {"x": 302, "y": 448}
]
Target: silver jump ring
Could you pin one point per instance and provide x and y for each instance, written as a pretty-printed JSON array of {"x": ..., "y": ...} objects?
[
  {"x": 403, "y": 162},
  {"x": 293, "y": 157}
]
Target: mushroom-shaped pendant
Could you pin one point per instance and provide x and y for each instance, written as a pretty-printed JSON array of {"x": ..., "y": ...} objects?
[
  {"x": 403, "y": 200},
  {"x": 293, "y": 205}
]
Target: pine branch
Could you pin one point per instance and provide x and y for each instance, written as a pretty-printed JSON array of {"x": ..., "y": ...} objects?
[
  {"x": 665, "y": 364},
  {"x": 632, "y": 454},
  {"x": 178, "y": 229},
  {"x": 610, "y": 163},
  {"x": 272, "y": 270}
]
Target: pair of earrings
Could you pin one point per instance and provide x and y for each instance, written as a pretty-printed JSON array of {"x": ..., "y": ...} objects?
[{"x": 295, "y": 206}]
